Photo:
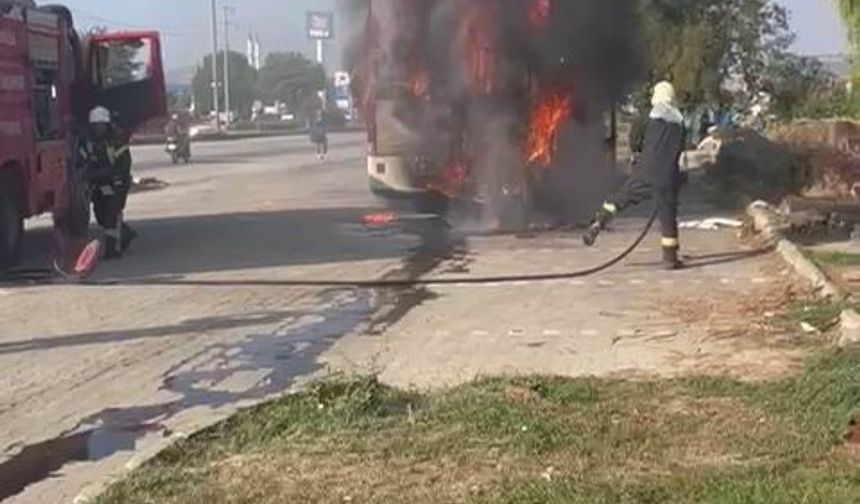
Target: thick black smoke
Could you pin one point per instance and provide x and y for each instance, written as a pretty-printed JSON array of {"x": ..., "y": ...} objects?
[{"x": 589, "y": 47}]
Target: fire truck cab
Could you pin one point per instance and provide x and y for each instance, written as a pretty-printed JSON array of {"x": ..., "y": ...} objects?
[{"x": 49, "y": 79}]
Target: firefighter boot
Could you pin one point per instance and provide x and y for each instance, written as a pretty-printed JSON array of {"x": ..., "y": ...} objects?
[
  {"x": 128, "y": 236},
  {"x": 671, "y": 261},
  {"x": 604, "y": 217}
]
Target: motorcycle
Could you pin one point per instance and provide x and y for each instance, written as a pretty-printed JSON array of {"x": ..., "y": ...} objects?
[{"x": 178, "y": 150}]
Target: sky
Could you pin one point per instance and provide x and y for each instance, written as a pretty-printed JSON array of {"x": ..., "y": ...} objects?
[{"x": 185, "y": 24}]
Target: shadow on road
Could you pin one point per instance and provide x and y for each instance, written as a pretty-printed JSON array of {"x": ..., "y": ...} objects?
[{"x": 241, "y": 241}]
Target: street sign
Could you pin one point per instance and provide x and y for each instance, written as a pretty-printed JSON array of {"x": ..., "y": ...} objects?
[{"x": 320, "y": 25}]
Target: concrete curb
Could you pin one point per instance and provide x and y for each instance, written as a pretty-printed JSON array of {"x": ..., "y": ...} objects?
[{"x": 767, "y": 223}]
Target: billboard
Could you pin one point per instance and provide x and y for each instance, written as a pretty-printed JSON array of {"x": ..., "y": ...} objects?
[{"x": 320, "y": 25}]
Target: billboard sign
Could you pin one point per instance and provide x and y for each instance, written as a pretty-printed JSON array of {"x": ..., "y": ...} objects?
[{"x": 320, "y": 25}]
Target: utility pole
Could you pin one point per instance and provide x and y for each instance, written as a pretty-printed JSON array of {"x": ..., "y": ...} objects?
[
  {"x": 215, "y": 101},
  {"x": 227, "y": 109}
]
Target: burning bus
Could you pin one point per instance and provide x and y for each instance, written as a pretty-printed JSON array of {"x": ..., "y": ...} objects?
[{"x": 475, "y": 100}]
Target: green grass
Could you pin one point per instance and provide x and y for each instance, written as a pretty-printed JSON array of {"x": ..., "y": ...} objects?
[
  {"x": 537, "y": 440},
  {"x": 821, "y": 314},
  {"x": 838, "y": 259}
]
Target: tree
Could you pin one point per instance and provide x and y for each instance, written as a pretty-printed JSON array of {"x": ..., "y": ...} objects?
[
  {"x": 850, "y": 12},
  {"x": 243, "y": 84},
  {"x": 291, "y": 78},
  {"x": 705, "y": 45},
  {"x": 799, "y": 84}
]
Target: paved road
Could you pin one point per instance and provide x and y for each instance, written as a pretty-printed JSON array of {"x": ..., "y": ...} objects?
[
  {"x": 201, "y": 318},
  {"x": 88, "y": 373}
]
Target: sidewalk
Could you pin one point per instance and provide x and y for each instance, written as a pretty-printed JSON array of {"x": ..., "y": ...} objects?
[{"x": 632, "y": 320}]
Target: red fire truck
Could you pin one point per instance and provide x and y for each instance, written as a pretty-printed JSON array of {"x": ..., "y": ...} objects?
[{"x": 49, "y": 79}]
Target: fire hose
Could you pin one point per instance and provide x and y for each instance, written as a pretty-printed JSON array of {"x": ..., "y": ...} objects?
[{"x": 44, "y": 275}]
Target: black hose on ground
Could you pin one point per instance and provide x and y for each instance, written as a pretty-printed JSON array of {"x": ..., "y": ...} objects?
[{"x": 35, "y": 276}]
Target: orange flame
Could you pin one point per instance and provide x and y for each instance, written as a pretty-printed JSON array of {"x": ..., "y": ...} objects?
[
  {"x": 539, "y": 12},
  {"x": 547, "y": 118}
]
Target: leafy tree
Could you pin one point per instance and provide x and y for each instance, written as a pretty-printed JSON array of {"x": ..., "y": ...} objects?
[
  {"x": 801, "y": 86},
  {"x": 850, "y": 11},
  {"x": 243, "y": 84},
  {"x": 293, "y": 79},
  {"x": 703, "y": 45}
]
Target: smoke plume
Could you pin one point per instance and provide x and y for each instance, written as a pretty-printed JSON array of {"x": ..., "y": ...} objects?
[{"x": 505, "y": 99}]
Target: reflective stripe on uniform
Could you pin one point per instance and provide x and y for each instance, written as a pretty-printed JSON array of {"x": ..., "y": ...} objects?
[
  {"x": 113, "y": 233},
  {"x": 119, "y": 152},
  {"x": 611, "y": 208},
  {"x": 670, "y": 242}
]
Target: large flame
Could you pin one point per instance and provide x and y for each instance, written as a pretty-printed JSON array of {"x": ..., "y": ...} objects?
[{"x": 550, "y": 113}]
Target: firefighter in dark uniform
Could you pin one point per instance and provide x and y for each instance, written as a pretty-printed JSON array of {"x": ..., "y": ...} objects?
[
  {"x": 657, "y": 174},
  {"x": 108, "y": 162}
]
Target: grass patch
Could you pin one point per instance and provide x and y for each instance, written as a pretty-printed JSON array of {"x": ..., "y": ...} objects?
[
  {"x": 822, "y": 314},
  {"x": 837, "y": 259},
  {"x": 536, "y": 440}
]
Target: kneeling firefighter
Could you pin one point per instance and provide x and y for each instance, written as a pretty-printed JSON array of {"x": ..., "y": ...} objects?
[
  {"x": 108, "y": 161},
  {"x": 656, "y": 175}
]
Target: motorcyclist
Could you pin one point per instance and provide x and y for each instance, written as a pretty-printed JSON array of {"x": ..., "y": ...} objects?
[
  {"x": 108, "y": 161},
  {"x": 178, "y": 130}
]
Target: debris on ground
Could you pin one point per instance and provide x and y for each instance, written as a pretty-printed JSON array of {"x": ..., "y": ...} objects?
[
  {"x": 712, "y": 224},
  {"x": 147, "y": 184}
]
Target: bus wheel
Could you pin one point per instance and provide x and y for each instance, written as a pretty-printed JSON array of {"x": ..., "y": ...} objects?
[{"x": 11, "y": 223}]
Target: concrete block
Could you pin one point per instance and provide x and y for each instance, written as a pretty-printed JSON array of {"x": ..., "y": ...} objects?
[{"x": 849, "y": 328}]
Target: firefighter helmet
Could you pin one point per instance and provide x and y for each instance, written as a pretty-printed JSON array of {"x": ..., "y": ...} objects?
[
  {"x": 100, "y": 115},
  {"x": 664, "y": 94}
]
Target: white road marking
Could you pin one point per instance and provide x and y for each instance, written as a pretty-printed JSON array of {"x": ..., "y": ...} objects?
[
  {"x": 637, "y": 281},
  {"x": 551, "y": 332},
  {"x": 589, "y": 333}
]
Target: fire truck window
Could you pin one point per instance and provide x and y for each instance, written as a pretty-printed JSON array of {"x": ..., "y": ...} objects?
[
  {"x": 124, "y": 62},
  {"x": 46, "y": 104}
]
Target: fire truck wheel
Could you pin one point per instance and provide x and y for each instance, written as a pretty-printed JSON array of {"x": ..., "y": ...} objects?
[{"x": 11, "y": 224}]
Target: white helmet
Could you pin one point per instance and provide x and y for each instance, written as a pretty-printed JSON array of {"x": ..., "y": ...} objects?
[
  {"x": 100, "y": 115},
  {"x": 664, "y": 94}
]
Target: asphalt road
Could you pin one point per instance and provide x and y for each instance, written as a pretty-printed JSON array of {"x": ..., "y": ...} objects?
[{"x": 201, "y": 318}]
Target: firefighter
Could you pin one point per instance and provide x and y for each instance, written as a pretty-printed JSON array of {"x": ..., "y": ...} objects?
[
  {"x": 656, "y": 174},
  {"x": 108, "y": 162}
]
